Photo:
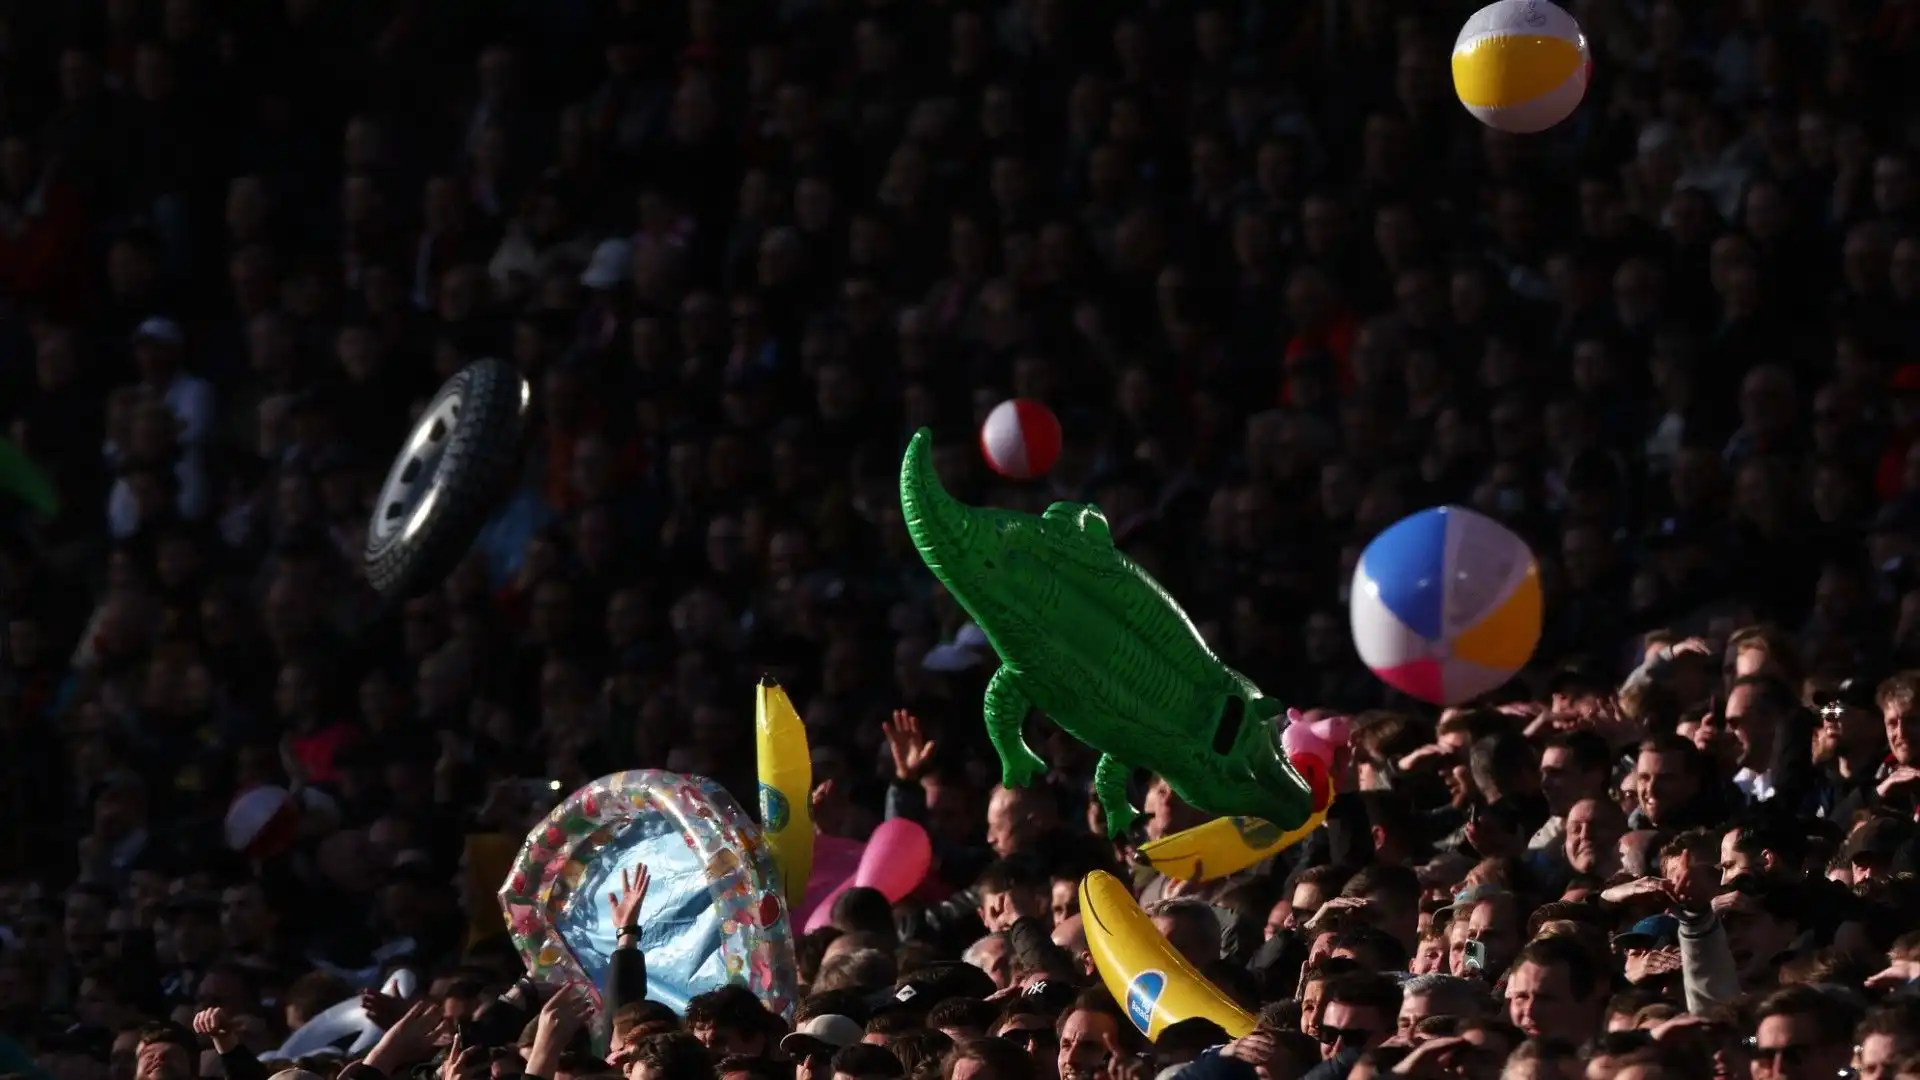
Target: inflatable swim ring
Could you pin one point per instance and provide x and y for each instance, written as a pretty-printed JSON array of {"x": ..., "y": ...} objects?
[{"x": 713, "y": 916}]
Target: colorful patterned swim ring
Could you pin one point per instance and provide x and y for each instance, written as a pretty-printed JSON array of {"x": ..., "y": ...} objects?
[{"x": 713, "y": 916}]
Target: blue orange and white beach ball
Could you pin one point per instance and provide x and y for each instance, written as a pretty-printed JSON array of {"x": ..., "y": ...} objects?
[
  {"x": 1521, "y": 66},
  {"x": 1446, "y": 605}
]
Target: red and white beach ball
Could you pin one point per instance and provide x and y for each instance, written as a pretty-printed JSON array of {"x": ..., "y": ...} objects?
[
  {"x": 1021, "y": 439},
  {"x": 262, "y": 822}
]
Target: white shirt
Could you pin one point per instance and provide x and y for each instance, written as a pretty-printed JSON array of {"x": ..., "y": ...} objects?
[
  {"x": 191, "y": 399},
  {"x": 1757, "y": 786}
]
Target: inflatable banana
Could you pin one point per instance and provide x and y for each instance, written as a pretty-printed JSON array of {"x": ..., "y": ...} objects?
[
  {"x": 1223, "y": 847},
  {"x": 786, "y": 789},
  {"x": 1226, "y": 846},
  {"x": 1155, "y": 984}
]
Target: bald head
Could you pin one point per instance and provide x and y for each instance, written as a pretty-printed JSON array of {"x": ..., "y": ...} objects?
[{"x": 1018, "y": 816}]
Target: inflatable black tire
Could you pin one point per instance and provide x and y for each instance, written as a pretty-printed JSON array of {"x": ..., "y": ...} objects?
[{"x": 457, "y": 462}]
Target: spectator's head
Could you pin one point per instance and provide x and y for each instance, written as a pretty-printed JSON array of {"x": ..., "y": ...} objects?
[
  {"x": 1761, "y": 848},
  {"x": 987, "y": 1059},
  {"x": 1899, "y": 701},
  {"x": 1392, "y": 895},
  {"x": 1557, "y": 989},
  {"x": 673, "y": 1055},
  {"x": 1573, "y": 767},
  {"x": 729, "y": 1020},
  {"x": 1011, "y": 889},
  {"x": 1191, "y": 927},
  {"x": 815, "y": 1040},
  {"x": 1760, "y": 925},
  {"x": 1889, "y": 1035},
  {"x": 1594, "y": 828},
  {"x": 1803, "y": 1032},
  {"x": 992, "y": 954},
  {"x": 1360, "y": 1012},
  {"x": 1093, "y": 1032},
  {"x": 865, "y": 1061},
  {"x": 862, "y": 910},
  {"x": 961, "y": 1018},
  {"x": 165, "y": 1052},
  {"x": 1018, "y": 817},
  {"x": 1439, "y": 995},
  {"x": 158, "y": 343},
  {"x": 1668, "y": 775}
]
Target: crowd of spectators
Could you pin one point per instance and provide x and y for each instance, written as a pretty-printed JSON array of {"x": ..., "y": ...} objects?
[{"x": 1281, "y": 290}]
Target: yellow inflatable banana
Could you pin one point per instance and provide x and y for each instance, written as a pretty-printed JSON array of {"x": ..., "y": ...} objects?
[
  {"x": 1155, "y": 984},
  {"x": 786, "y": 787},
  {"x": 1223, "y": 846}
]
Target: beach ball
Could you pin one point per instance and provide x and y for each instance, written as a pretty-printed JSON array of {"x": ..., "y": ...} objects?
[
  {"x": 262, "y": 822},
  {"x": 1521, "y": 66},
  {"x": 1446, "y": 605},
  {"x": 1021, "y": 439}
]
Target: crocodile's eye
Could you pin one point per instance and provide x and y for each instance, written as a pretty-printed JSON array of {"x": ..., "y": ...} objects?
[{"x": 1232, "y": 713}]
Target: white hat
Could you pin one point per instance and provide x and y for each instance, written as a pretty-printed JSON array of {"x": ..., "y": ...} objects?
[
  {"x": 828, "y": 1029},
  {"x": 967, "y": 649},
  {"x": 610, "y": 266},
  {"x": 160, "y": 328}
]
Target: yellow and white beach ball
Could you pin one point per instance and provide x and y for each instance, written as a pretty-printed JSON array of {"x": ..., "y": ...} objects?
[{"x": 1521, "y": 66}]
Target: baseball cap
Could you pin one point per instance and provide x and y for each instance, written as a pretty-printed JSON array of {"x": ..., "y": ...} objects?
[
  {"x": 159, "y": 328},
  {"x": 1652, "y": 932},
  {"x": 1881, "y": 838},
  {"x": 1468, "y": 897},
  {"x": 828, "y": 1030},
  {"x": 1853, "y": 693},
  {"x": 966, "y": 650},
  {"x": 610, "y": 266},
  {"x": 926, "y": 987}
]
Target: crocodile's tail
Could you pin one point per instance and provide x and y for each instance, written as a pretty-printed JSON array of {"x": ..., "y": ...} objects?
[{"x": 939, "y": 525}]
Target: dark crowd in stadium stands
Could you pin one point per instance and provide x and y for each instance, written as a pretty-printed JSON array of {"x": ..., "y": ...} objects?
[{"x": 1281, "y": 290}]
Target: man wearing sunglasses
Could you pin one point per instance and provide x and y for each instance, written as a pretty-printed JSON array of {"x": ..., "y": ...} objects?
[
  {"x": 814, "y": 1041},
  {"x": 1802, "y": 1033},
  {"x": 1359, "y": 1014}
]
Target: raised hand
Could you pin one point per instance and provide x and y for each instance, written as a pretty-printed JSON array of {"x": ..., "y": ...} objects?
[
  {"x": 409, "y": 1041},
  {"x": 626, "y": 903},
  {"x": 1644, "y": 891},
  {"x": 561, "y": 1018},
  {"x": 463, "y": 1060},
  {"x": 911, "y": 749},
  {"x": 383, "y": 1010},
  {"x": 213, "y": 1024}
]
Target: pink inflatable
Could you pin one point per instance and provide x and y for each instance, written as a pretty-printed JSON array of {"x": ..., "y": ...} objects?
[
  {"x": 896, "y": 861},
  {"x": 1312, "y": 746},
  {"x": 836, "y": 860}
]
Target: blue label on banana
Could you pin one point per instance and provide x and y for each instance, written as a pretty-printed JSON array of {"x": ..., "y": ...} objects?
[{"x": 1142, "y": 995}]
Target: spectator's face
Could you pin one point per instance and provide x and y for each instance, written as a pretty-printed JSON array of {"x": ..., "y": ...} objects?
[
  {"x": 1790, "y": 1048},
  {"x": 991, "y": 954},
  {"x": 1491, "y": 924},
  {"x": 162, "y": 1061},
  {"x": 1734, "y": 863},
  {"x": 1011, "y": 820},
  {"x": 244, "y": 917},
  {"x": 1663, "y": 785},
  {"x": 1430, "y": 957},
  {"x": 125, "y": 1054},
  {"x": 1312, "y": 996},
  {"x": 1088, "y": 1042},
  {"x": 1541, "y": 1002},
  {"x": 1561, "y": 780},
  {"x": 1413, "y": 1009},
  {"x": 84, "y": 924},
  {"x": 1877, "y": 1058},
  {"x": 1902, "y": 723},
  {"x": 1754, "y": 936},
  {"x": 1346, "y": 1027}
]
